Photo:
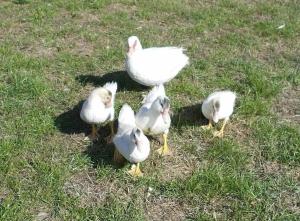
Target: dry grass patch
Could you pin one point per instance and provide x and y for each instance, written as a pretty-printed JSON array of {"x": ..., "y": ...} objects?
[
  {"x": 38, "y": 50},
  {"x": 180, "y": 164},
  {"x": 276, "y": 169},
  {"x": 161, "y": 208},
  {"x": 119, "y": 7},
  {"x": 89, "y": 190},
  {"x": 287, "y": 105}
]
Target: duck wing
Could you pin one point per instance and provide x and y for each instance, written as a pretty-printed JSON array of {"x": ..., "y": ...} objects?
[{"x": 158, "y": 64}]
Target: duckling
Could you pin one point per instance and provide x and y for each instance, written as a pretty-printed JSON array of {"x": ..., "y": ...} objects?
[
  {"x": 153, "y": 66},
  {"x": 217, "y": 106},
  {"x": 98, "y": 108},
  {"x": 130, "y": 141},
  {"x": 154, "y": 116}
]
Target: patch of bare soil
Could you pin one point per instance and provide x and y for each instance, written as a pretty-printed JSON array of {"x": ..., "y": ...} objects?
[
  {"x": 287, "y": 105},
  {"x": 276, "y": 169},
  {"x": 290, "y": 200},
  {"x": 4, "y": 192},
  {"x": 85, "y": 18},
  {"x": 73, "y": 44},
  {"x": 88, "y": 189},
  {"x": 80, "y": 46},
  {"x": 160, "y": 208},
  {"x": 180, "y": 164},
  {"x": 119, "y": 7},
  {"x": 239, "y": 129},
  {"x": 37, "y": 50}
]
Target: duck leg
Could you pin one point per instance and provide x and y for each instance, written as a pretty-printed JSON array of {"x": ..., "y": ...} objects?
[
  {"x": 112, "y": 128},
  {"x": 94, "y": 133},
  {"x": 112, "y": 132},
  {"x": 220, "y": 133},
  {"x": 164, "y": 150},
  {"x": 118, "y": 158},
  {"x": 135, "y": 170},
  {"x": 207, "y": 127}
]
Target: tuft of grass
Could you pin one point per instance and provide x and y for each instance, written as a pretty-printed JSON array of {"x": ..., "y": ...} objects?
[{"x": 278, "y": 142}]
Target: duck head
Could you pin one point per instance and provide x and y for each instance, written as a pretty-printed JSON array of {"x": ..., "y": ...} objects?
[
  {"x": 161, "y": 105},
  {"x": 136, "y": 136},
  {"x": 134, "y": 44},
  {"x": 105, "y": 96}
]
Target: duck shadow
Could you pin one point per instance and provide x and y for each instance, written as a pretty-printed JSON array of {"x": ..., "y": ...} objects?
[
  {"x": 189, "y": 116},
  {"x": 125, "y": 83},
  {"x": 100, "y": 153},
  {"x": 70, "y": 122}
]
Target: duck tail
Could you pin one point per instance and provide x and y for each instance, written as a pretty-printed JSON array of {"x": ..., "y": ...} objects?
[
  {"x": 126, "y": 118},
  {"x": 112, "y": 87}
]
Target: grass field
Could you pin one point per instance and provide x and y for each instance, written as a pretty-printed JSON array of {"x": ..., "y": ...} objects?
[{"x": 53, "y": 53}]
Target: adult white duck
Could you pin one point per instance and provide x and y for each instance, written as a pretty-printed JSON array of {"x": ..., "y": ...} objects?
[
  {"x": 130, "y": 141},
  {"x": 154, "y": 117},
  {"x": 98, "y": 108},
  {"x": 153, "y": 66},
  {"x": 217, "y": 106}
]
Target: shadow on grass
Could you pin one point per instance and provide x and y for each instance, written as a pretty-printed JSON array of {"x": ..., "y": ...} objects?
[
  {"x": 125, "y": 83},
  {"x": 101, "y": 151},
  {"x": 70, "y": 122},
  {"x": 189, "y": 116}
]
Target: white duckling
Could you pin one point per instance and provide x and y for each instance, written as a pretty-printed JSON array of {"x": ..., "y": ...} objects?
[
  {"x": 154, "y": 115},
  {"x": 153, "y": 66},
  {"x": 98, "y": 108},
  {"x": 217, "y": 106},
  {"x": 130, "y": 141}
]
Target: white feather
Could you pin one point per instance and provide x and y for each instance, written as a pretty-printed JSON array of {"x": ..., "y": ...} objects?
[
  {"x": 148, "y": 119},
  {"x": 112, "y": 87},
  {"x": 126, "y": 120},
  {"x": 93, "y": 110},
  {"x": 226, "y": 101},
  {"x": 123, "y": 141},
  {"x": 157, "y": 65},
  {"x": 156, "y": 91}
]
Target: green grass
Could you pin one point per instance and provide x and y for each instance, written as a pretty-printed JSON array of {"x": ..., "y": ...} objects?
[{"x": 53, "y": 53}]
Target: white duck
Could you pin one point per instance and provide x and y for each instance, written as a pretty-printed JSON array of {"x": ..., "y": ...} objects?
[
  {"x": 99, "y": 107},
  {"x": 153, "y": 66},
  {"x": 217, "y": 106},
  {"x": 130, "y": 141},
  {"x": 154, "y": 117}
]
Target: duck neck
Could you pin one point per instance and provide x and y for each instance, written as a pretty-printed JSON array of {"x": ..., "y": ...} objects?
[{"x": 139, "y": 146}]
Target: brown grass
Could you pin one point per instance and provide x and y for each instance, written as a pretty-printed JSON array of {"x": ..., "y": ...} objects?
[{"x": 287, "y": 105}]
